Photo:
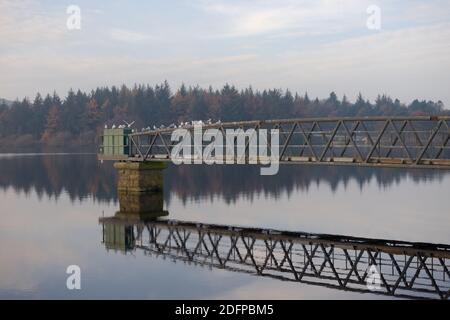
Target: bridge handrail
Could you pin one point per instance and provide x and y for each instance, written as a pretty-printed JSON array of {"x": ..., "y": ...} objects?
[{"x": 299, "y": 120}]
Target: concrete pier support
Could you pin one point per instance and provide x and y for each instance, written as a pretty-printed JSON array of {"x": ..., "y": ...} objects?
[
  {"x": 140, "y": 188},
  {"x": 140, "y": 176}
]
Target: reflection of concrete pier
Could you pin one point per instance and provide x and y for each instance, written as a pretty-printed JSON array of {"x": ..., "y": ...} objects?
[
  {"x": 140, "y": 188},
  {"x": 140, "y": 203}
]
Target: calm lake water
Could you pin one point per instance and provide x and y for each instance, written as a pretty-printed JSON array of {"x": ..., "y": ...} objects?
[{"x": 50, "y": 207}]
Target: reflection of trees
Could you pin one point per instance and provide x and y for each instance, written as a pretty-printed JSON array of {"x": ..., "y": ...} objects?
[
  {"x": 232, "y": 182},
  {"x": 83, "y": 176},
  {"x": 80, "y": 176}
]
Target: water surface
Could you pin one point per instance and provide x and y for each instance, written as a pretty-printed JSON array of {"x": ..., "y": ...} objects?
[{"x": 51, "y": 205}]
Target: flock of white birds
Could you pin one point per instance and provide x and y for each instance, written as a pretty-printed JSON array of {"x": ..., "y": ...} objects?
[{"x": 171, "y": 126}]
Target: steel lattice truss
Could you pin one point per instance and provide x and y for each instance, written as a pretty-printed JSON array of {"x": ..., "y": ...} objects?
[
  {"x": 388, "y": 141},
  {"x": 405, "y": 269}
]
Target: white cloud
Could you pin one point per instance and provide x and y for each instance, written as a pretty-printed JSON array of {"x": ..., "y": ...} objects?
[
  {"x": 128, "y": 36},
  {"x": 426, "y": 11},
  {"x": 296, "y": 18},
  {"x": 265, "y": 17},
  {"x": 407, "y": 63},
  {"x": 22, "y": 23}
]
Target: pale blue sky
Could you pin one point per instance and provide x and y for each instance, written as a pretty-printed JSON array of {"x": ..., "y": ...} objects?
[{"x": 304, "y": 45}]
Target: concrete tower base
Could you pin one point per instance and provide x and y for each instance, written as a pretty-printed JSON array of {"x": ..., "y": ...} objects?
[
  {"x": 140, "y": 187},
  {"x": 140, "y": 176}
]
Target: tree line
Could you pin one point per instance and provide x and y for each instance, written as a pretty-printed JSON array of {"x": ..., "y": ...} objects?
[{"x": 79, "y": 118}]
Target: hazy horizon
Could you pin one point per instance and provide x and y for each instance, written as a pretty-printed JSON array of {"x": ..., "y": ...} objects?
[{"x": 63, "y": 95}]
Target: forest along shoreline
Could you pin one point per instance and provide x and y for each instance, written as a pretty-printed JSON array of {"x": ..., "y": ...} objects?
[{"x": 74, "y": 123}]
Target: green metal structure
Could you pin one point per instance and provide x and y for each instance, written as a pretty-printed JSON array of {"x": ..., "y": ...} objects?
[
  {"x": 115, "y": 143},
  {"x": 118, "y": 237}
]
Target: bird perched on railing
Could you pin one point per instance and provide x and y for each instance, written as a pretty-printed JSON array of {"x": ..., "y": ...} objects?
[
  {"x": 199, "y": 122},
  {"x": 180, "y": 125}
]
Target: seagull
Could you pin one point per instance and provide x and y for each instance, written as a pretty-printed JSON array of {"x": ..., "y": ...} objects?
[
  {"x": 154, "y": 127},
  {"x": 106, "y": 126},
  {"x": 113, "y": 126}
]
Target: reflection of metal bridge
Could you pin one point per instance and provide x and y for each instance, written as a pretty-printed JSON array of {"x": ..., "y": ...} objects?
[
  {"x": 409, "y": 270},
  {"x": 387, "y": 141}
]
